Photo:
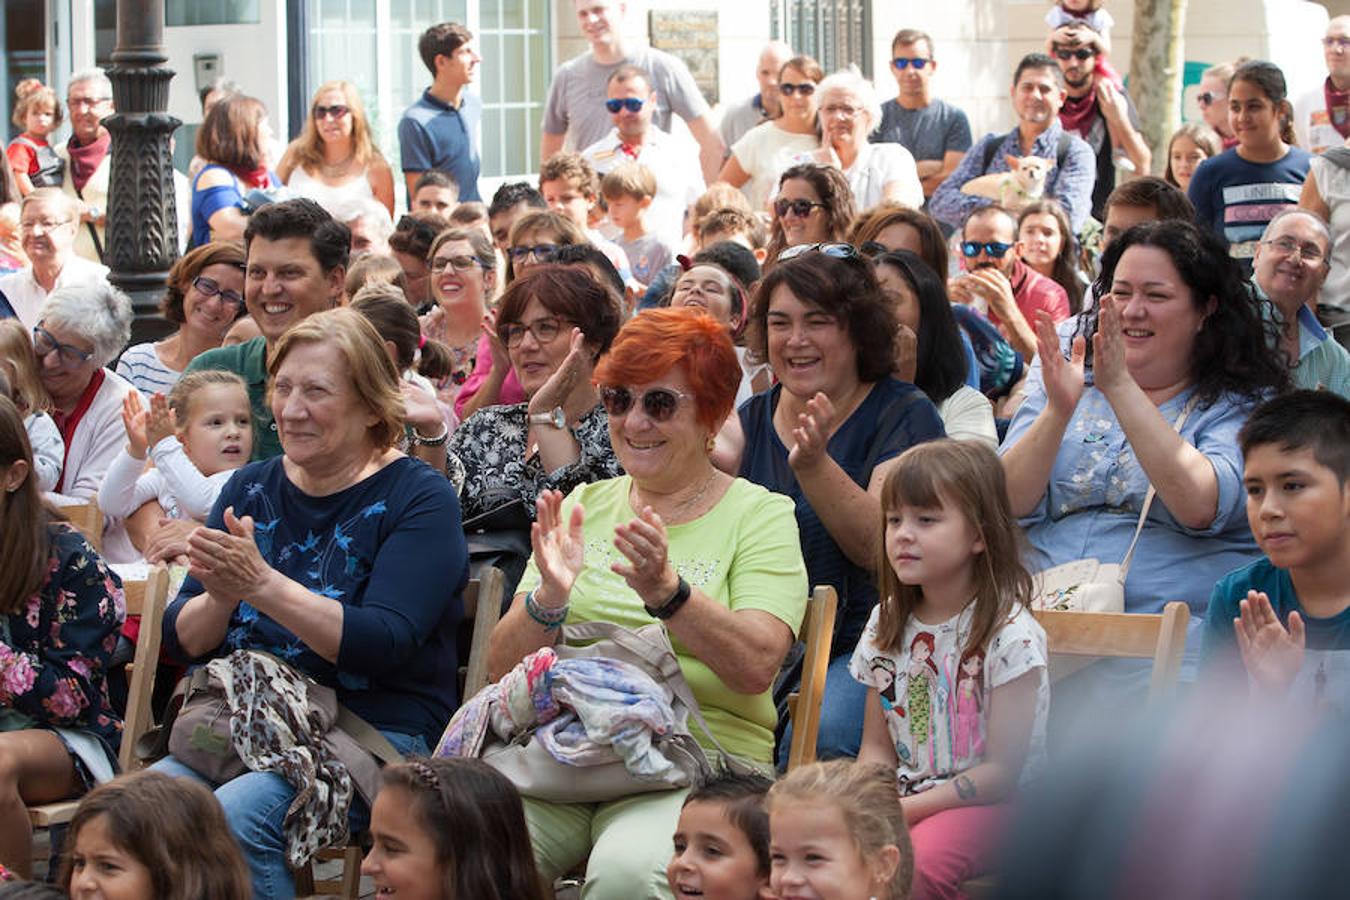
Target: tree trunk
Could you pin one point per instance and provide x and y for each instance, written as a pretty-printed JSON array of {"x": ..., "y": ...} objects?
[{"x": 1155, "y": 72}]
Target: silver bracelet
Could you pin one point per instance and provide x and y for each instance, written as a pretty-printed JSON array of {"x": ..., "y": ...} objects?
[
  {"x": 551, "y": 619},
  {"x": 431, "y": 442}
]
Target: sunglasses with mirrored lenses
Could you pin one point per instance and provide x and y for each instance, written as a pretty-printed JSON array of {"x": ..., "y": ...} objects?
[
  {"x": 1080, "y": 54},
  {"x": 830, "y": 249},
  {"x": 799, "y": 208},
  {"x": 996, "y": 249},
  {"x": 787, "y": 88},
  {"x": 541, "y": 252},
  {"x": 904, "y": 62},
  {"x": 632, "y": 104},
  {"x": 336, "y": 111},
  {"x": 660, "y": 404},
  {"x": 69, "y": 355},
  {"x": 210, "y": 288}
]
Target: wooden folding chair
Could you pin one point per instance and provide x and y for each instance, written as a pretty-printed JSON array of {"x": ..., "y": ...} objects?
[
  {"x": 804, "y": 705},
  {"x": 1160, "y": 637},
  {"x": 482, "y": 604},
  {"x": 146, "y": 599},
  {"x": 88, "y": 518}
]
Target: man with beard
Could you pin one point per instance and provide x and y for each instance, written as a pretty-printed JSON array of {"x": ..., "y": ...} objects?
[
  {"x": 1037, "y": 95},
  {"x": 1097, "y": 110},
  {"x": 997, "y": 281}
]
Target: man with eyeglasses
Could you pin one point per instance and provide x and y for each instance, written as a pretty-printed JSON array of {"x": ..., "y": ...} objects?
[
  {"x": 88, "y": 161},
  {"x": 572, "y": 115},
  {"x": 440, "y": 131},
  {"x": 1097, "y": 110},
  {"x": 1288, "y": 269},
  {"x": 48, "y": 220},
  {"x": 738, "y": 118},
  {"x": 935, "y": 132},
  {"x": 998, "y": 283},
  {"x": 1322, "y": 115},
  {"x": 1038, "y": 92},
  {"x": 631, "y": 102}
]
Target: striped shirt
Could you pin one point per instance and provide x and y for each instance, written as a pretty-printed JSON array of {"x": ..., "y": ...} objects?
[{"x": 142, "y": 366}]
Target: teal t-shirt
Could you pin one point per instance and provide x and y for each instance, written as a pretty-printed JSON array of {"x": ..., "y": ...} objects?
[
  {"x": 249, "y": 361},
  {"x": 744, "y": 553},
  {"x": 1325, "y": 676}
]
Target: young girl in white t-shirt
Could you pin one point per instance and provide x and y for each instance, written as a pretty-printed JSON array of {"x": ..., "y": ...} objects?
[
  {"x": 954, "y": 661},
  {"x": 196, "y": 437}
]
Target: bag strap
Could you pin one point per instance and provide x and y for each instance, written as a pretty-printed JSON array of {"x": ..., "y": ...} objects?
[
  {"x": 93, "y": 231},
  {"x": 1338, "y": 156},
  {"x": 368, "y": 736},
  {"x": 1148, "y": 498}
]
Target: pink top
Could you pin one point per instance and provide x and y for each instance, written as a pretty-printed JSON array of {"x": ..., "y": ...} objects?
[{"x": 511, "y": 392}]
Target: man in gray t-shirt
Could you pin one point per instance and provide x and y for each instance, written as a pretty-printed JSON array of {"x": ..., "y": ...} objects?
[
  {"x": 936, "y": 133},
  {"x": 738, "y": 118},
  {"x": 575, "y": 110}
]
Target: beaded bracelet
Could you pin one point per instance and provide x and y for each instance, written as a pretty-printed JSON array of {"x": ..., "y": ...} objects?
[{"x": 551, "y": 619}]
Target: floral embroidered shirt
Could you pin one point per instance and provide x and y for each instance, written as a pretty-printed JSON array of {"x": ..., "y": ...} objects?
[{"x": 55, "y": 651}]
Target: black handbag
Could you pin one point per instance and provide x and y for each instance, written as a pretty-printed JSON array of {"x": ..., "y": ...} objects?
[{"x": 500, "y": 538}]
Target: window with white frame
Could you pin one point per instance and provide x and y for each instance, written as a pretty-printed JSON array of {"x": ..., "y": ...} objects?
[{"x": 834, "y": 32}]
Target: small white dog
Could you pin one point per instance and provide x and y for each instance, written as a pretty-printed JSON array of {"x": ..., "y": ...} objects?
[{"x": 1024, "y": 182}]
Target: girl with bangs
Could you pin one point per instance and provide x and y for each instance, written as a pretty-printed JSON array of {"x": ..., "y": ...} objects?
[{"x": 954, "y": 663}]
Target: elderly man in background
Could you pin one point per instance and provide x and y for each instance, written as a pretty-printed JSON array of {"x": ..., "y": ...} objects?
[
  {"x": 87, "y": 156},
  {"x": 48, "y": 223},
  {"x": 738, "y": 118}
]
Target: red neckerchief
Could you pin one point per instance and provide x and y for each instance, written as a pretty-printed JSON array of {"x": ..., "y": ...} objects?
[
  {"x": 1077, "y": 113},
  {"x": 1338, "y": 108},
  {"x": 85, "y": 160},
  {"x": 630, "y": 151},
  {"x": 66, "y": 423},
  {"x": 255, "y": 178}
]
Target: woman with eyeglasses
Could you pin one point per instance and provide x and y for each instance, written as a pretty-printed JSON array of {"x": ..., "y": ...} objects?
[
  {"x": 849, "y": 111},
  {"x": 535, "y": 237},
  {"x": 233, "y": 141},
  {"x": 814, "y": 205},
  {"x": 555, "y": 323},
  {"x": 335, "y": 159},
  {"x": 1238, "y": 192},
  {"x": 827, "y": 435},
  {"x": 766, "y": 150},
  {"x": 205, "y": 295},
  {"x": 79, "y": 331},
  {"x": 673, "y": 541},
  {"x": 462, "y": 268}
]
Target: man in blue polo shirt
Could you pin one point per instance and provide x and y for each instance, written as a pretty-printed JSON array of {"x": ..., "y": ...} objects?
[{"x": 440, "y": 130}]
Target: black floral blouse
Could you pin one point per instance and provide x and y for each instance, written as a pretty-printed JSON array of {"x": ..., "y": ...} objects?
[{"x": 490, "y": 445}]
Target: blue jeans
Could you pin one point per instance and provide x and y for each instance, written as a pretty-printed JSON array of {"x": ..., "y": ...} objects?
[
  {"x": 255, "y": 806},
  {"x": 841, "y": 715}
]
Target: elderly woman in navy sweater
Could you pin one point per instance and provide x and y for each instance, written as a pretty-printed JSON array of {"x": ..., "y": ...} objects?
[{"x": 343, "y": 557}]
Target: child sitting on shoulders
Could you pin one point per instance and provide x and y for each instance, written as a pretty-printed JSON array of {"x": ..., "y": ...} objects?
[
  {"x": 196, "y": 438},
  {"x": 722, "y": 840},
  {"x": 954, "y": 662},
  {"x": 1285, "y": 619},
  {"x": 628, "y": 191},
  {"x": 19, "y": 366}
]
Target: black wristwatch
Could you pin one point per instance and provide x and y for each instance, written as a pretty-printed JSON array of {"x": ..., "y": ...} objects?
[{"x": 671, "y": 606}]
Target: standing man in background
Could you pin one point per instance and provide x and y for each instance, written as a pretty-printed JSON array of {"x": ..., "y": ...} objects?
[
  {"x": 764, "y": 106},
  {"x": 88, "y": 158},
  {"x": 440, "y": 130},
  {"x": 1322, "y": 116}
]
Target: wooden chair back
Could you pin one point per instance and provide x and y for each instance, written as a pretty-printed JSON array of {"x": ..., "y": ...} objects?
[
  {"x": 805, "y": 705},
  {"x": 88, "y": 518},
  {"x": 1160, "y": 637},
  {"x": 483, "y": 604}
]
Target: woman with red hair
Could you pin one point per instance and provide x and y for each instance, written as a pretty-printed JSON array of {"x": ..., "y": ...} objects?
[{"x": 714, "y": 557}]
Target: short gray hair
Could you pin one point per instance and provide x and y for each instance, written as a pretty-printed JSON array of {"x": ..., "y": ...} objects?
[
  {"x": 94, "y": 74},
  {"x": 1323, "y": 232},
  {"x": 850, "y": 82},
  {"x": 370, "y": 210},
  {"x": 97, "y": 312}
]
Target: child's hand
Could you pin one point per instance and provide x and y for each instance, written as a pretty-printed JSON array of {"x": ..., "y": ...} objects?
[
  {"x": 1272, "y": 655},
  {"x": 159, "y": 421},
  {"x": 133, "y": 419}
]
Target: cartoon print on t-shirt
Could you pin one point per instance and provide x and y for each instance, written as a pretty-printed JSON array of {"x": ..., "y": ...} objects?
[
  {"x": 922, "y": 677},
  {"x": 883, "y": 676},
  {"x": 969, "y": 707}
]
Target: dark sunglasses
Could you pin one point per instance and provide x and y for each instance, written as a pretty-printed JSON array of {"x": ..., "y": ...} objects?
[
  {"x": 210, "y": 288},
  {"x": 904, "y": 62},
  {"x": 1080, "y": 54},
  {"x": 799, "y": 208},
  {"x": 1207, "y": 97},
  {"x": 831, "y": 249},
  {"x": 336, "y": 111},
  {"x": 660, "y": 404},
  {"x": 632, "y": 104},
  {"x": 541, "y": 252},
  {"x": 70, "y": 355},
  {"x": 787, "y": 88},
  {"x": 995, "y": 249}
]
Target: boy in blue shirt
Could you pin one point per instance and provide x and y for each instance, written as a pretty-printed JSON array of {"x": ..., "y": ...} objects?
[{"x": 1285, "y": 619}]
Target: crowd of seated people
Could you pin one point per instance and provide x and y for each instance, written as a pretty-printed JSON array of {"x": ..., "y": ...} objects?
[{"x": 927, "y": 405}]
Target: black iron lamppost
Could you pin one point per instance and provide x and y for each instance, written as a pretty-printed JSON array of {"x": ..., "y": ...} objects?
[{"x": 142, "y": 234}]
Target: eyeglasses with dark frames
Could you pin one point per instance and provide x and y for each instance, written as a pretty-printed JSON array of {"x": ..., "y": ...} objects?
[
  {"x": 70, "y": 355},
  {"x": 210, "y": 288},
  {"x": 544, "y": 330},
  {"x": 1081, "y": 54},
  {"x": 455, "y": 263},
  {"x": 541, "y": 252},
  {"x": 799, "y": 208}
]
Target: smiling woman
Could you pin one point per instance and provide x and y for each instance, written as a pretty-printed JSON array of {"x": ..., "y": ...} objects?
[{"x": 334, "y": 161}]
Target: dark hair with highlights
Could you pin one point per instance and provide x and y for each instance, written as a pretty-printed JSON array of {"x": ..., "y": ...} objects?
[
  {"x": 568, "y": 293},
  {"x": 832, "y": 188}
]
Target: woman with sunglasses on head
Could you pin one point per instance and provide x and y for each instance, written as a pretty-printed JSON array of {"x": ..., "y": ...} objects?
[
  {"x": 714, "y": 558},
  {"x": 462, "y": 266},
  {"x": 205, "y": 295},
  {"x": 814, "y": 205},
  {"x": 766, "y": 150},
  {"x": 233, "y": 142},
  {"x": 1238, "y": 192},
  {"x": 827, "y": 435},
  {"x": 335, "y": 159}
]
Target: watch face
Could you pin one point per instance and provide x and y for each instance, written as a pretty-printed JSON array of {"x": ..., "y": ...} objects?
[{"x": 558, "y": 418}]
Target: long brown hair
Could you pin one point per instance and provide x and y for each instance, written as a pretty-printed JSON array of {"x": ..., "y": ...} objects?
[
  {"x": 229, "y": 134},
  {"x": 172, "y": 826},
  {"x": 306, "y": 151},
  {"x": 832, "y": 188},
  {"x": 16, "y": 349},
  {"x": 968, "y": 476},
  {"x": 24, "y": 518},
  {"x": 1064, "y": 272}
]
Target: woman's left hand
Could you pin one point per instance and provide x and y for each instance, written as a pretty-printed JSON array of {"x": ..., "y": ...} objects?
[
  {"x": 227, "y": 563},
  {"x": 643, "y": 543},
  {"x": 812, "y": 434},
  {"x": 575, "y": 367},
  {"x": 1109, "y": 372}
]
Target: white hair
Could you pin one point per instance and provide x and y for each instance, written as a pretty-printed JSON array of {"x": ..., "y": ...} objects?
[
  {"x": 372, "y": 211},
  {"x": 97, "y": 312},
  {"x": 93, "y": 74},
  {"x": 850, "y": 83}
]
